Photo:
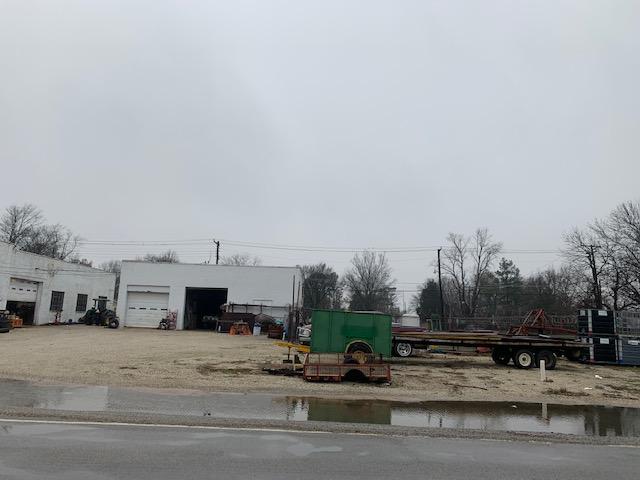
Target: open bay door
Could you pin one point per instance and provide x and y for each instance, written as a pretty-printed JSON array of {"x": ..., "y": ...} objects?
[
  {"x": 21, "y": 299},
  {"x": 146, "y": 308}
]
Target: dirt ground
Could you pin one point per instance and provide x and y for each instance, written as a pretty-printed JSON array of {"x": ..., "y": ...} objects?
[{"x": 216, "y": 362}]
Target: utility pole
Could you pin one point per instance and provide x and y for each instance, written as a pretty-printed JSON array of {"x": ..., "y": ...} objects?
[
  {"x": 293, "y": 303},
  {"x": 440, "y": 286},
  {"x": 217, "y": 250},
  {"x": 597, "y": 293}
]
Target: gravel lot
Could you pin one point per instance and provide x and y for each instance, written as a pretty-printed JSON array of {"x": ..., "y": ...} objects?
[{"x": 80, "y": 354}]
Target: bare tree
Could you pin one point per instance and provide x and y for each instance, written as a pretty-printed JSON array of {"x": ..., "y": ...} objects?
[
  {"x": 170, "y": 256},
  {"x": 369, "y": 283},
  {"x": 621, "y": 230},
  {"x": 321, "y": 287},
  {"x": 81, "y": 261},
  {"x": 557, "y": 291},
  {"x": 241, "y": 259},
  {"x": 606, "y": 257},
  {"x": 55, "y": 241},
  {"x": 455, "y": 266},
  {"x": 19, "y": 222},
  {"x": 24, "y": 227},
  {"x": 584, "y": 253},
  {"x": 112, "y": 266},
  {"x": 467, "y": 261}
]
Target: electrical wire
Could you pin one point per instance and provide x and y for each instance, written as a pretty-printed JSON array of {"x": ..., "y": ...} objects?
[{"x": 289, "y": 247}]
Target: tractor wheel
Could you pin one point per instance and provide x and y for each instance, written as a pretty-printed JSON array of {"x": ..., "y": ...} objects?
[
  {"x": 501, "y": 356},
  {"x": 402, "y": 349},
  {"x": 524, "y": 359},
  {"x": 549, "y": 358},
  {"x": 113, "y": 323}
]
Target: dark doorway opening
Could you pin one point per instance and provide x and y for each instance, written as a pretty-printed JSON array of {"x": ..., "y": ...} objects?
[
  {"x": 25, "y": 310},
  {"x": 202, "y": 308}
]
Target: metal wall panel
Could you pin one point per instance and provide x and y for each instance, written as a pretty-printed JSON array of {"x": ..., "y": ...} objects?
[{"x": 629, "y": 350}]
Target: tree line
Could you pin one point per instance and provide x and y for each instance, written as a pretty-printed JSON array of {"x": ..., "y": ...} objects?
[{"x": 601, "y": 269}]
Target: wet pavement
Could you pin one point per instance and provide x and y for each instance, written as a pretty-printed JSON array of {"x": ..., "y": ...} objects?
[
  {"x": 589, "y": 420},
  {"x": 62, "y": 451}
]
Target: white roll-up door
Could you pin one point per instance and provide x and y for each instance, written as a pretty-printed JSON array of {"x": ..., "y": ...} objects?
[
  {"x": 22, "y": 290},
  {"x": 146, "y": 309}
]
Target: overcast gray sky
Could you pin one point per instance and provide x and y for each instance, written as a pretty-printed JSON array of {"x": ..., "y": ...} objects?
[{"x": 325, "y": 123}]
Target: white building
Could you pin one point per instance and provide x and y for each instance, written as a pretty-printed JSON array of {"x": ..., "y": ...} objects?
[
  {"x": 149, "y": 290},
  {"x": 41, "y": 289}
]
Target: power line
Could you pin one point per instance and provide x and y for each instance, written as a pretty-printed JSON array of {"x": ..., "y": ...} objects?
[{"x": 276, "y": 246}]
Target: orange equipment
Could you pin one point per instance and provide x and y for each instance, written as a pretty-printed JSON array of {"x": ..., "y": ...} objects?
[{"x": 240, "y": 328}]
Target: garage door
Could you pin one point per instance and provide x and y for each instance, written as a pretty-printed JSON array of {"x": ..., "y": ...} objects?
[
  {"x": 22, "y": 290},
  {"x": 146, "y": 309}
]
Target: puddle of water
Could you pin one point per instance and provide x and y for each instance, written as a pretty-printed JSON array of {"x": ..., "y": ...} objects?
[
  {"x": 592, "y": 420},
  {"x": 527, "y": 417}
]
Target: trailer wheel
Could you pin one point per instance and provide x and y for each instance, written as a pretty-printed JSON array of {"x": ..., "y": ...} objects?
[
  {"x": 360, "y": 351},
  {"x": 501, "y": 356},
  {"x": 359, "y": 347},
  {"x": 524, "y": 359},
  {"x": 549, "y": 358},
  {"x": 402, "y": 349}
]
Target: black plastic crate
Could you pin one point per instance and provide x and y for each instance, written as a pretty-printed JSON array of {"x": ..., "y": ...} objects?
[
  {"x": 604, "y": 349},
  {"x": 596, "y": 322}
]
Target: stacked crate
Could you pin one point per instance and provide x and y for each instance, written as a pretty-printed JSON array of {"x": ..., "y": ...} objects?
[
  {"x": 628, "y": 330},
  {"x": 612, "y": 337},
  {"x": 597, "y": 328}
]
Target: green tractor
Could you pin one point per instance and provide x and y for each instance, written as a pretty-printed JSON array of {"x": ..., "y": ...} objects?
[{"x": 99, "y": 314}]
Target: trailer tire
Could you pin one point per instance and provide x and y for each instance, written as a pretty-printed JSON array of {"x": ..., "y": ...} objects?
[
  {"x": 359, "y": 347},
  {"x": 501, "y": 356},
  {"x": 360, "y": 351},
  {"x": 403, "y": 349},
  {"x": 549, "y": 358},
  {"x": 524, "y": 359}
]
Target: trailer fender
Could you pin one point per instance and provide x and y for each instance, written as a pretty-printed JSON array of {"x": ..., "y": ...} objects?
[{"x": 358, "y": 346}]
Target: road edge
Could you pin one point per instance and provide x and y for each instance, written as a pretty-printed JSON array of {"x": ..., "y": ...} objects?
[{"x": 30, "y": 415}]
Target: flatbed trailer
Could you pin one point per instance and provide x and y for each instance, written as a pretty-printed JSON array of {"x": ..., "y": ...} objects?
[{"x": 525, "y": 351}]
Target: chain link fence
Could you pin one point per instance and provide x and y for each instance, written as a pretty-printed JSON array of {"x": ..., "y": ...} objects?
[{"x": 628, "y": 323}]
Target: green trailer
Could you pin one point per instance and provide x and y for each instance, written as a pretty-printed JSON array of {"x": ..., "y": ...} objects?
[{"x": 336, "y": 331}]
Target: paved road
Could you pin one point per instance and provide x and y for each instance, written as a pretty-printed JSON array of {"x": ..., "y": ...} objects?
[{"x": 65, "y": 451}]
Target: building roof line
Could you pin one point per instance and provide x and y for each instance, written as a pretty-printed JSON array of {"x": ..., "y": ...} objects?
[
  {"x": 17, "y": 250},
  {"x": 209, "y": 264}
]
